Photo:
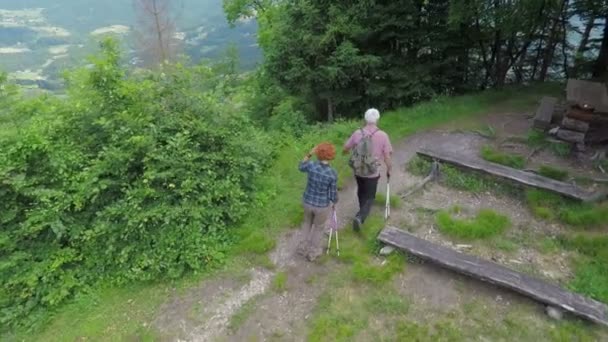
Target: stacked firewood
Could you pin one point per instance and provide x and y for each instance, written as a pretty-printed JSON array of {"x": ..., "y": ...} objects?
[
  {"x": 581, "y": 124},
  {"x": 582, "y": 119}
]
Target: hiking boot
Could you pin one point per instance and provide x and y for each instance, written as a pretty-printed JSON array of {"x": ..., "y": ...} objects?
[
  {"x": 357, "y": 224},
  {"x": 302, "y": 250},
  {"x": 314, "y": 254}
]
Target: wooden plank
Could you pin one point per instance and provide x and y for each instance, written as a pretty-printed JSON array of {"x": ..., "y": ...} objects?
[
  {"x": 571, "y": 136},
  {"x": 539, "y": 290},
  {"x": 519, "y": 176},
  {"x": 544, "y": 112},
  {"x": 575, "y": 125},
  {"x": 589, "y": 93}
]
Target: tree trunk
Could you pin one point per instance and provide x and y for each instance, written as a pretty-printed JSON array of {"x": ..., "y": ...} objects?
[
  {"x": 600, "y": 68},
  {"x": 159, "y": 32},
  {"x": 582, "y": 46},
  {"x": 330, "y": 110},
  {"x": 551, "y": 44}
]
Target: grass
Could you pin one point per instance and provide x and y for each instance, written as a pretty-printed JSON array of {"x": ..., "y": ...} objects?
[
  {"x": 511, "y": 160},
  {"x": 395, "y": 201},
  {"x": 550, "y": 206},
  {"x": 279, "y": 283},
  {"x": 244, "y": 312},
  {"x": 275, "y": 208},
  {"x": 505, "y": 245},
  {"x": 553, "y": 173},
  {"x": 487, "y": 223},
  {"x": 591, "y": 267},
  {"x": 538, "y": 139}
]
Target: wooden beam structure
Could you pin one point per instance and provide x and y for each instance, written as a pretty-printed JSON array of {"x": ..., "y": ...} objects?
[
  {"x": 475, "y": 267},
  {"x": 519, "y": 176}
]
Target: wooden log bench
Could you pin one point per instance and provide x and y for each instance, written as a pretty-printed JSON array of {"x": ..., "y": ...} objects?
[
  {"x": 544, "y": 113},
  {"x": 491, "y": 272},
  {"x": 518, "y": 176}
]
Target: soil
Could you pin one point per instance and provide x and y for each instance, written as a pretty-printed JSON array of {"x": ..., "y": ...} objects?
[{"x": 204, "y": 313}]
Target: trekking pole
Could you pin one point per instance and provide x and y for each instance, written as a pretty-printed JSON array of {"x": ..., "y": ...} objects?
[
  {"x": 333, "y": 227},
  {"x": 387, "y": 207}
]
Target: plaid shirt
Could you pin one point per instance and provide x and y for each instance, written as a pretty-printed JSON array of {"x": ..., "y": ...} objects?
[{"x": 321, "y": 188}]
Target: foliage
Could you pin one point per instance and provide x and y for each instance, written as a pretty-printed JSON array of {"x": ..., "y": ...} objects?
[
  {"x": 134, "y": 178},
  {"x": 487, "y": 223},
  {"x": 512, "y": 160}
]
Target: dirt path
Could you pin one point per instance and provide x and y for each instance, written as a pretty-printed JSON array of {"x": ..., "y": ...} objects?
[{"x": 205, "y": 313}]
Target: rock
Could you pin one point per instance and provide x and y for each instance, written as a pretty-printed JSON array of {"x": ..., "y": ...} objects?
[
  {"x": 554, "y": 312},
  {"x": 386, "y": 250}
]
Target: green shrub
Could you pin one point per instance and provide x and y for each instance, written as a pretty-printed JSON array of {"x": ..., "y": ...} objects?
[
  {"x": 551, "y": 172},
  {"x": 487, "y": 223},
  {"x": 134, "y": 178},
  {"x": 512, "y": 160}
]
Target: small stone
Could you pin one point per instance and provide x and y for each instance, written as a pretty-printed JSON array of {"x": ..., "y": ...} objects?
[
  {"x": 386, "y": 250},
  {"x": 554, "y": 313}
]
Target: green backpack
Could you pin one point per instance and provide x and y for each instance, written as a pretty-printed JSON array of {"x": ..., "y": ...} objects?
[{"x": 362, "y": 160}]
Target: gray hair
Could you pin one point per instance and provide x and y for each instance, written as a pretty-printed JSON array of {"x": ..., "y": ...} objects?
[{"x": 372, "y": 115}]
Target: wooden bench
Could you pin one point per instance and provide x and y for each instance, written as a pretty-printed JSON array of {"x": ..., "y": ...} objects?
[
  {"x": 475, "y": 267},
  {"x": 519, "y": 176}
]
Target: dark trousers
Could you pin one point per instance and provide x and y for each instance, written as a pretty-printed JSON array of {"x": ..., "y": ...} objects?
[{"x": 366, "y": 193}]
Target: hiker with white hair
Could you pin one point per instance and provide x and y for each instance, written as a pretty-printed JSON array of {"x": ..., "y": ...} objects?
[{"x": 370, "y": 146}]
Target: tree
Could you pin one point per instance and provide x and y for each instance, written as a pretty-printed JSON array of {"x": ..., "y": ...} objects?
[{"x": 156, "y": 33}]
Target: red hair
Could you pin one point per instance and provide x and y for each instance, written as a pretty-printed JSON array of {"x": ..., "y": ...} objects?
[{"x": 325, "y": 151}]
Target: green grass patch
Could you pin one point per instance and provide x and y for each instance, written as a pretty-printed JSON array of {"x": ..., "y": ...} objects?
[
  {"x": 358, "y": 249},
  {"x": 550, "y": 206},
  {"x": 387, "y": 302},
  {"x": 395, "y": 201},
  {"x": 257, "y": 243},
  {"x": 511, "y": 160},
  {"x": 487, "y": 223},
  {"x": 538, "y": 139},
  {"x": 339, "y": 316},
  {"x": 505, "y": 245},
  {"x": 378, "y": 272},
  {"x": 279, "y": 283},
  {"x": 591, "y": 268},
  {"x": 553, "y": 173},
  {"x": 440, "y": 331},
  {"x": 243, "y": 314}
]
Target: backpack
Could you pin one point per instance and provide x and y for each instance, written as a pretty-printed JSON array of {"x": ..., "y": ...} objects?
[{"x": 362, "y": 160}]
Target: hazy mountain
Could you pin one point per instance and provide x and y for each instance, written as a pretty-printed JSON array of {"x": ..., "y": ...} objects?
[{"x": 39, "y": 38}]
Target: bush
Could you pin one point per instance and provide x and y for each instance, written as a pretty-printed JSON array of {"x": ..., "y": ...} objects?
[
  {"x": 132, "y": 179},
  {"x": 487, "y": 223}
]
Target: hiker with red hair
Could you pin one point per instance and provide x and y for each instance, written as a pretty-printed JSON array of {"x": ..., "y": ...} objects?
[{"x": 320, "y": 196}]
